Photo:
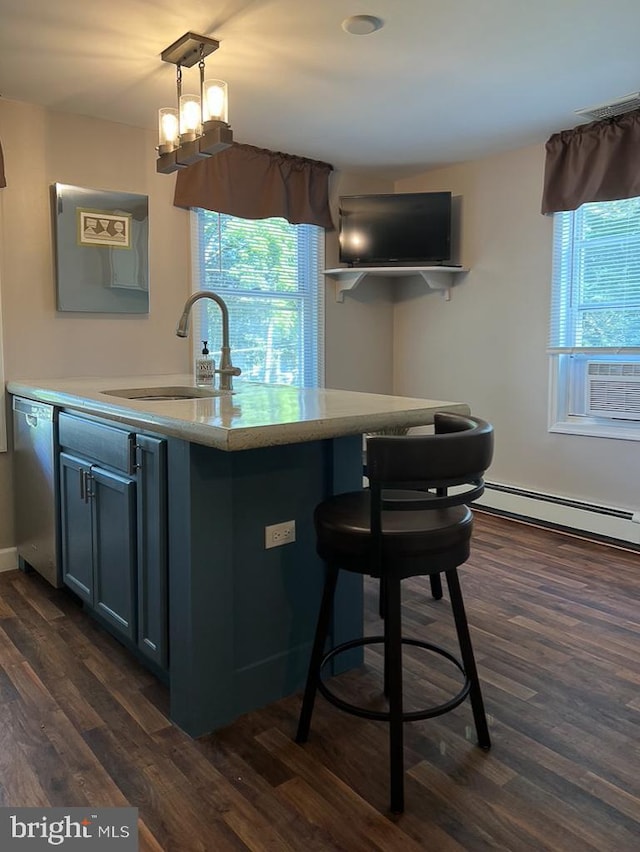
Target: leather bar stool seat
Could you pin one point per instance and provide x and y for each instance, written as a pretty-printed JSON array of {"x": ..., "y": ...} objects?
[{"x": 344, "y": 534}]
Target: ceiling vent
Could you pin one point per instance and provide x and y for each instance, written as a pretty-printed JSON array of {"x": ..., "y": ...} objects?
[{"x": 626, "y": 103}]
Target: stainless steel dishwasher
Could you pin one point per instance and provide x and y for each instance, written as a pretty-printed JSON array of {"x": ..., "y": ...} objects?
[{"x": 35, "y": 487}]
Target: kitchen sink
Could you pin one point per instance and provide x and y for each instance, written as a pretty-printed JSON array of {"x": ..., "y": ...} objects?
[{"x": 166, "y": 393}]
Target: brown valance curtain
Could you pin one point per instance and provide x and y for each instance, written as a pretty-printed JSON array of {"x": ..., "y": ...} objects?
[
  {"x": 3, "y": 180},
  {"x": 254, "y": 183},
  {"x": 599, "y": 161}
]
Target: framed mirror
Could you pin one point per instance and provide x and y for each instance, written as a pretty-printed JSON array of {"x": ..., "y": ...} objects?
[{"x": 102, "y": 250}]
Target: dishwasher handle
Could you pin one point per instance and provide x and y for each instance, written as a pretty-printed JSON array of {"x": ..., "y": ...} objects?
[{"x": 33, "y": 411}]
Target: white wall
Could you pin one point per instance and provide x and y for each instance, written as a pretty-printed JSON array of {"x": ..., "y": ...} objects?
[
  {"x": 487, "y": 345},
  {"x": 359, "y": 330},
  {"x": 42, "y": 147}
]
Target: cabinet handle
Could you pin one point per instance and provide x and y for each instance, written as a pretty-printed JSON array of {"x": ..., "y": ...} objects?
[
  {"x": 85, "y": 489},
  {"x": 87, "y": 486},
  {"x": 138, "y": 457}
]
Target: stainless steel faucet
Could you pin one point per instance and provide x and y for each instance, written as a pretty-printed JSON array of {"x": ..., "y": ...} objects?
[{"x": 226, "y": 368}]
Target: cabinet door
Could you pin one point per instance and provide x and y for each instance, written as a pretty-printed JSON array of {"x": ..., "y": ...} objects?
[
  {"x": 151, "y": 459},
  {"x": 114, "y": 549},
  {"x": 76, "y": 537}
]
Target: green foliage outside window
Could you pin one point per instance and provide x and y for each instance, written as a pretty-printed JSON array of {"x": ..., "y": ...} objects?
[
  {"x": 267, "y": 271},
  {"x": 606, "y": 273}
]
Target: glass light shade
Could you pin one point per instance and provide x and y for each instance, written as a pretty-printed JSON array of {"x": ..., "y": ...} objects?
[
  {"x": 216, "y": 101},
  {"x": 168, "y": 129},
  {"x": 190, "y": 118}
]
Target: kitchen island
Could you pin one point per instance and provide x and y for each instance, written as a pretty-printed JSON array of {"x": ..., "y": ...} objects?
[{"x": 240, "y": 616}]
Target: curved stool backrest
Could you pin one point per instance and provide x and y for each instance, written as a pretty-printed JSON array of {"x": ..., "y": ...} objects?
[
  {"x": 414, "y": 473},
  {"x": 457, "y": 454}
]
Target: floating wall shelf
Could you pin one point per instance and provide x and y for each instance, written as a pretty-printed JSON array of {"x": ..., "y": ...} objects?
[{"x": 435, "y": 277}]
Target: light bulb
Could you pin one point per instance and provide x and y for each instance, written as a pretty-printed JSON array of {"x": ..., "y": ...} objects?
[
  {"x": 215, "y": 100},
  {"x": 190, "y": 117},
  {"x": 168, "y": 129}
]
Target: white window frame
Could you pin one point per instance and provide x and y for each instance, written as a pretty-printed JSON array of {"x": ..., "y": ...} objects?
[
  {"x": 311, "y": 292},
  {"x": 567, "y": 362}
]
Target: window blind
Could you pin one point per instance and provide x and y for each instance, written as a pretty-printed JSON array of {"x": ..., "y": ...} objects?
[
  {"x": 269, "y": 272},
  {"x": 596, "y": 279}
]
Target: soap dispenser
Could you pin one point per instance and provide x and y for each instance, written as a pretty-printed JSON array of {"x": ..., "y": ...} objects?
[{"x": 204, "y": 368}]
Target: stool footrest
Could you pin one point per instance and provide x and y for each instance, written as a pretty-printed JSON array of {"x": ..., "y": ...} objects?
[{"x": 382, "y": 715}]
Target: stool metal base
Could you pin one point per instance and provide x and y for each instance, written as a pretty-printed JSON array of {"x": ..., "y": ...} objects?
[
  {"x": 384, "y": 715},
  {"x": 393, "y": 641}
]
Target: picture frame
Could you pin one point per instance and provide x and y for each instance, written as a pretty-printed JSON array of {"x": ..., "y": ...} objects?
[
  {"x": 101, "y": 250},
  {"x": 100, "y": 228}
]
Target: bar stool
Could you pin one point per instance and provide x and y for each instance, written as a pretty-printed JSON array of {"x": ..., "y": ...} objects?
[{"x": 406, "y": 524}]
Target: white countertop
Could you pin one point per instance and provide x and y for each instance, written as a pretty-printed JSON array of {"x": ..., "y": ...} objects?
[{"x": 254, "y": 415}]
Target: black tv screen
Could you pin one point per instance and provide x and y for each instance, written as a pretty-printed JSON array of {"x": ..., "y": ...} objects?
[{"x": 410, "y": 228}]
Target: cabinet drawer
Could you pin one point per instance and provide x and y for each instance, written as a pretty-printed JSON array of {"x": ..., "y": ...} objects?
[{"x": 107, "y": 444}]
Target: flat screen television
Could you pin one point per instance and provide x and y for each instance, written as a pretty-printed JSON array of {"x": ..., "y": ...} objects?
[{"x": 409, "y": 227}]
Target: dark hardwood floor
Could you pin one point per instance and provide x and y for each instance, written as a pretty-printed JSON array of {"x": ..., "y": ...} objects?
[{"x": 556, "y": 627}]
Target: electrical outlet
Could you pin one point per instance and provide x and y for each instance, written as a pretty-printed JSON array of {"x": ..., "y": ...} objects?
[{"x": 278, "y": 534}]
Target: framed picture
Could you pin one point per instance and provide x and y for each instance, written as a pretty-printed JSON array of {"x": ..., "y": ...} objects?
[
  {"x": 102, "y": 250},
  {"x": 99, "y": 228}
]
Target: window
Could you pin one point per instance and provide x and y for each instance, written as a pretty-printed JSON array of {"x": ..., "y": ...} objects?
[
  {"x": 269, "y": 273},
  {"x": 595, "y": 320}
]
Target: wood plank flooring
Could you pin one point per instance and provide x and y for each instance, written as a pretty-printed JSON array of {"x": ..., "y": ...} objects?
[{"x": 556, "y": 628}]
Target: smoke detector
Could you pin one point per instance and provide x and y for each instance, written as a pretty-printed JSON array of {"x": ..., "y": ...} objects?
[
  {"x": 362, "y": 24},
  {"x": 626, "y": 103}
]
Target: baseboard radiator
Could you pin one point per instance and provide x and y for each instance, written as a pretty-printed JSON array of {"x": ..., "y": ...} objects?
[{"x": 603, "y": 523}]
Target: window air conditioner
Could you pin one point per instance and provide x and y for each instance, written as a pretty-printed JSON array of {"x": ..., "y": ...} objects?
[{"x": 613, "y": 389}]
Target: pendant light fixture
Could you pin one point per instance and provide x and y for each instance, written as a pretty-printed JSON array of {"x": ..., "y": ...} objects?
[{"x": 197, "y": 126}]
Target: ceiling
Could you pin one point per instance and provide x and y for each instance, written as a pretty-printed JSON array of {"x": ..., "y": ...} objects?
[{"x": 442, "y": 81}]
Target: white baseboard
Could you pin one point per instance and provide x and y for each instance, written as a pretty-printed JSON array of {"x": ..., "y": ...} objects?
[
  {"x": 8, "y": 559},
  {"x": 601, "y": 521}
]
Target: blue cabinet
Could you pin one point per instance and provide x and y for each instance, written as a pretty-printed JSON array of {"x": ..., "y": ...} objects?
[
  {"x": 242, "y": 617},
  {"x": 98, "y": 510},
  {"x": 152, "y": 574},
  {"x": 114, "y": 530},
  {"x": 77, "y": 533},
  {"x": 148, "y": 519},
  {"x": 114, "y": 549}
]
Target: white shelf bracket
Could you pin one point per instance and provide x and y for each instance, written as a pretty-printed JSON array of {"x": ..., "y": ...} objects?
[
  {"x": 347, "y": 281},
  {"x": 436, "y": 278},
  {"x": 438, "y": 281}
]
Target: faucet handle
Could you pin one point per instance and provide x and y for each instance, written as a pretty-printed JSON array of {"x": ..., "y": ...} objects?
[{"x": 226, "y": 374}]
